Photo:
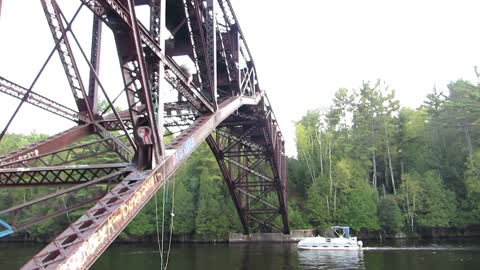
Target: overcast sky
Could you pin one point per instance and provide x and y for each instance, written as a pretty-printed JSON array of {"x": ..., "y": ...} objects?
[{"x": 304, "y": 51}]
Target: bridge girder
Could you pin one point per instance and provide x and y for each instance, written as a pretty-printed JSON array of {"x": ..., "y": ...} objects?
[{"x": 221, "y": 103}]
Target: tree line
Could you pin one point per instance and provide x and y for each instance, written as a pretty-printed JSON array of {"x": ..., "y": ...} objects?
[
  {"x": 365, "y": 162},
  {"x": 369, "y": 163}
]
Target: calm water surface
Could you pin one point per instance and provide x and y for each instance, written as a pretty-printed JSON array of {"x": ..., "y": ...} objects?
[{"x": 439, "y": 255}]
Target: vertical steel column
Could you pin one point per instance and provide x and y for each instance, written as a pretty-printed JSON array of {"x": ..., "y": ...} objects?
[
  {"x": 137, "y": 85},
  {"x": 147, "y": 93},
  {"x": 244, "y": 180},
  {"x": 156, "y": 69},
  {"x": 235, "y": 49},
  {"x": 211, "y": 44},
  {"x": 153, "y": 66},
  {"x": 283, "y": 184},
  {"x": 95, "y": 61},
  {"x": 199, "y": 21}
]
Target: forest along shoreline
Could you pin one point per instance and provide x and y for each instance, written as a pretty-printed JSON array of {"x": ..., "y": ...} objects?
[
  {"x": 471, "y": 232},
  {"x": 365, "y": 162}
]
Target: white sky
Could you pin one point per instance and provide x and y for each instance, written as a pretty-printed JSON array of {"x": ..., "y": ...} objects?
[{"x": 304, "y": 51}]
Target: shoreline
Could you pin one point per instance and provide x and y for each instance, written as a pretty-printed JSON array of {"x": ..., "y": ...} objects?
[{"x": 260, "y": 238}]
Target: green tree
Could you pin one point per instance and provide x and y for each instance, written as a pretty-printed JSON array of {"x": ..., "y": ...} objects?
[
  {"x": 410, "y": 195},
  {"x": 416, "y": 150},
  {"x": 472, "y": 185},
  {"x": 390, "y": 216},
  {"x": 437, "y": 206},
  {"x": 361, "y": 209},
  {"x": 296, "y": 217},
  {"x": 184, "y": 208},
  {"x": 208, "y": 218},
  {"x": 317, "y": 206}
]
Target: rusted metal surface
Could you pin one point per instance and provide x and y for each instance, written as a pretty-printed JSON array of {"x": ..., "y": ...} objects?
[
  {"x": 222, "y": 103},
  {"x": 203, "y": 44},
  {"x": 249, "y": 165},
  {"x": 118, "y": 13},
  {"x": 53, "y": 143},
  {"x": 211, "y": 47},
  {"x": 118, "y": 146},
  {"x": 67, "y": 58},
  {"x": 67, "y": 155},
  {"x": 136, "y": 81},
  {"x": 56, "y": 175},
  {"x": 113, "y": 124},
  {"x": 155, "y": 68},
  {"x": 20, "y": 217},
  {"x": 95, "y": 62},
  {"x": 80, "y": 245},
  {"x": 17, "y": 91}
]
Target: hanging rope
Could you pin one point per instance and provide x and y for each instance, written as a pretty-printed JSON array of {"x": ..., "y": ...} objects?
[
  {"x": 160, "y": 240},
  {"x": 158, "y": 229},
  {"x": 172, "y": 215},
  {"x": 165, "y": 197}
]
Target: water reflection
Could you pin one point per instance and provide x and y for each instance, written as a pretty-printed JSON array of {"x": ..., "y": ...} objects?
[
  {"x": 266, "y": 256},
  {"x": 331, "y": 259},
  {"x": 448, "y": 255}
]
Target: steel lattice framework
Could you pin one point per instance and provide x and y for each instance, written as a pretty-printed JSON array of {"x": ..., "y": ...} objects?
[{"x": 221, "y": 103}]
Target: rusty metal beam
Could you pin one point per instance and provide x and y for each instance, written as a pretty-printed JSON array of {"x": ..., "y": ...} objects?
[
  {"x": 81, "y": 244},
  {"x": 211, "y": 47},
  {"x": 50, "y": 144},
  {"x": 248, "y": 186},
  {"x": 250, "y": 158},
  {"x": 248, "y": 145},
  {"x": 155, "y": 68},
  {"x": 17, "y": 222},
  {"x": 201, "y": 22},
  {"x": 17, "y": 91},
  {"x": 67, "y": 58},
  {"x": 95, "y": 62},
  {"x": 276, "y": 145},
  {"x": 65, "y": 156},
  {"x": 115, "y": 14},
  {"x": 119, "y": 147},
  {"x": 56, "y": 175},
  {"x": 229, "y": 182}
]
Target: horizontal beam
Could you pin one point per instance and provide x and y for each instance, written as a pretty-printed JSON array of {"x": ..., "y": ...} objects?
[
  {"x": 245, "y": 142},
  {"x": 56, "y": 175},
  {"x": 248, "y": 169},
  {"x": 48, "y": 145},
  {"x": 37, "y": 100},
  {"x": 64, "y": 156},
  {"x": 31, "y": 220}
]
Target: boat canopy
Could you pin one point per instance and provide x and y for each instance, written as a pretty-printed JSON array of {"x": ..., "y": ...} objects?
[{"x": 346, "y": 230}]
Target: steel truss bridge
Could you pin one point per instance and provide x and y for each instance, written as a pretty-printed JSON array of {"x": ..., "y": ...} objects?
[{"x": 220, "y": 102}]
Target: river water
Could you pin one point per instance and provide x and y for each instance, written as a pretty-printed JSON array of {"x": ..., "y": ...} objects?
[{"x": 439, "y": 255}]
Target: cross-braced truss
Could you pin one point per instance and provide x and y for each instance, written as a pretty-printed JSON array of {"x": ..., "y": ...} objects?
[{"x": 117, "y": 153}]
